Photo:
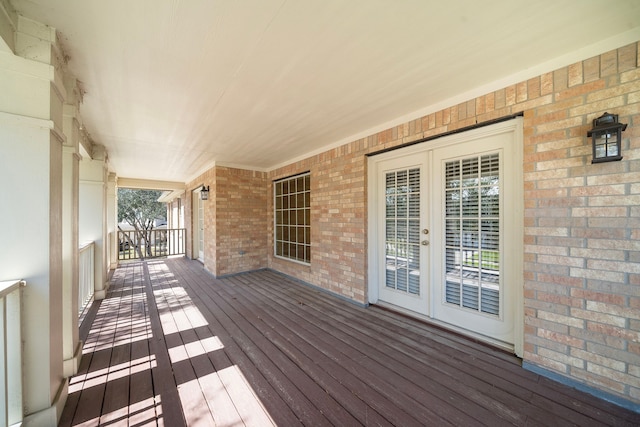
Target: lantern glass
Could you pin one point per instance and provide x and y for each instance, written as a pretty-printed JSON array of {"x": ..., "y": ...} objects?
[
  {"x": 204, "y": 193},
  {"x": 606, "y": 145},
  {"x": 600, "y": 146},
  {"x": 606, "y": 134}
]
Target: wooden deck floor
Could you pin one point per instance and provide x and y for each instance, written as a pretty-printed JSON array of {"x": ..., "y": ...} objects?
[{"x": 172, "y": 346}]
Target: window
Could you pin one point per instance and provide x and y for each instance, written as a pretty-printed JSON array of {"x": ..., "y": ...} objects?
[
  {"x": 472, "y": 223},
  {"x": 402, "y": 230},
  {"x": 292, "y": 218}
]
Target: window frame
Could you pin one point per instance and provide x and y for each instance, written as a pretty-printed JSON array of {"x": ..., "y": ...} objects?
[{"x": 294, "y": 232}]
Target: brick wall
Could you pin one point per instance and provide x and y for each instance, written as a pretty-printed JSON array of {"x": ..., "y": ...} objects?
[
  {"x": 338, "y": 228},
  {"x": 241, "y": 200},
  {"x": 582, "y": 253},
  {"x": 582, "y": 221},
  {"x": 235, "y": 220}
]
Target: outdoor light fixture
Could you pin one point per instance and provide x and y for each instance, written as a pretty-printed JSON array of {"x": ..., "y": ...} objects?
[
  {"x": 606, "y": 138},
  {"x": 204, "y": 193}
]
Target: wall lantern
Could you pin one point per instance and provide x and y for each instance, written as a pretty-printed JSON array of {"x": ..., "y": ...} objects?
[
  {"x": 606, "y": 138},
  {"x": 204, "y": 193}
]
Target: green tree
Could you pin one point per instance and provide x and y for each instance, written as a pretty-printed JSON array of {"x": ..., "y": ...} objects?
[{"x": 140, "y": 208}]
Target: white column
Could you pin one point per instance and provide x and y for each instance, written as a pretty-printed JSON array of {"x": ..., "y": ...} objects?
[
  {"x": 93, "y": 213},
  {"x": 112, "y": 221},
  {"x": 72, "y": 346},
  {"x": 31, "y": 174}
]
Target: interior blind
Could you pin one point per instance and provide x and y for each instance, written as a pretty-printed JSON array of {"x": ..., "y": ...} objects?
[{"x": 472, "y": 237}]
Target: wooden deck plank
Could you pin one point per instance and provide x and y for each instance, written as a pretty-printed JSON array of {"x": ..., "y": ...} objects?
[
  {"x": 543, "y": 411},
  {"x": 543, "y": 405},
  {"x": 90, "y": 400},
  {"x": 221, "y": 406},
  {"x": 115, "y": 407},
  {"x": 164, "y": 374},
  {"x": 142, "y": 405},
  {"x": 199, "y": 386},
  {"x": 414, "y": 399},
  {"x": 171, "y": 345},
  {"x": 249, "y": 407},
  {"x": 292, "y": 347},
  {"x": 338, "y": 374},
  {"x": 283, "y": 407},
  {"x": 497, "y": 402},
  {"x": 302, "y": 394}
]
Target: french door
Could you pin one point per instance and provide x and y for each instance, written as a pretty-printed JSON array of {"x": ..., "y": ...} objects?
[
  {"x": 446, "y": 231},
  {"x": 403, "y": 264}
]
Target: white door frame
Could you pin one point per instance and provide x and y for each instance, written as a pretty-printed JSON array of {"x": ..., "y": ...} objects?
[
  {"x": 515, "y": 216},
  {"x": 195, "y": 215}
]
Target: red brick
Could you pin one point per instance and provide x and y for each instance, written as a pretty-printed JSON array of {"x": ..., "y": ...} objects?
[
  {"x": 510, "y": 95},
  {"x": 500, "y": 97},
  {"x": 575, "y": 74},
  {"x": 580, "y": 90},
  {"x": 546, "y": 84},
  {"x": 560, "y": 79},
  {"x": 627, "y": 57},
  {"x": 591, "y": 69},
  {"x": 609, "y": 63},
  {"x": 533, "y": 88},
  {"x": 521, "y": 92}
]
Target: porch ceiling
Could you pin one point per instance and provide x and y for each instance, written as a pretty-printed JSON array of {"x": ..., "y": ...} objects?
[{"x": 173, "y": 86}]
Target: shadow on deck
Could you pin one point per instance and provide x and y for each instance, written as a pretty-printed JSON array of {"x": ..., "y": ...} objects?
[{"x": 172, "y": 346}]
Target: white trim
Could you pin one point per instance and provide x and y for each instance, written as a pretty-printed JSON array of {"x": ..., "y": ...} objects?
[
  {"x": 90, "y": 182},
  {"x": 148, "y": 184},
  {"x": 20, "y": 120},
  {"x": 461, "y": 331},
  {"x": 195, "y": 229},
  {"x": 70, "y": 366},
  {"x": 50, "y": 416},
  {"x": 289, "y": 178},
  {"x": 101, "y": 294}
]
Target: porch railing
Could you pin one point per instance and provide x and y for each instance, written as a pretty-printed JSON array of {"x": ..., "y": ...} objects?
[
  {"x": 86, "y": 275},
  {"x": 11, "y": 352},
  {"x": 161, "y": 242}
]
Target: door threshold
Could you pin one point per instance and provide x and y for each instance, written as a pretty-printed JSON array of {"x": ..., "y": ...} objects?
[{"x": 470, "y": 335}]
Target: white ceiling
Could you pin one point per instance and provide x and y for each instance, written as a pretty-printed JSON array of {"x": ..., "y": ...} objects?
[{"x": 173, "y": 86}]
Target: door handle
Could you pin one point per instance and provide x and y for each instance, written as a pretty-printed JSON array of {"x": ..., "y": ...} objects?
[{"x": 425, "y": 242}]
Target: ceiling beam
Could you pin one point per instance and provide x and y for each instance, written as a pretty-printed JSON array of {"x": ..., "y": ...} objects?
[{"x": 147, "y": 184}]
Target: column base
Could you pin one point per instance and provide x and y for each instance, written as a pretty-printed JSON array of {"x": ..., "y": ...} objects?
[
  {"x": 71, "y": 365},
  {"x": 50, "y": 415}
]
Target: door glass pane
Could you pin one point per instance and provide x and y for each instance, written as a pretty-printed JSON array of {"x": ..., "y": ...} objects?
[
  {"x": 402, "y": 230},
  {"x": 472, "y": 233}
]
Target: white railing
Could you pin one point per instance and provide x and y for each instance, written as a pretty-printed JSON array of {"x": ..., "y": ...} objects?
[
  {"x": 159, "y": 242},
  {"x": 11, "y": 352},
  {"x": 86, "y": 275}
]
